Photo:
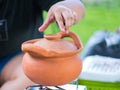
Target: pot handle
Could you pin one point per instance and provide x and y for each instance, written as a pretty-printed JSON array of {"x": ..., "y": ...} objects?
[{"x": 76, "y": 39}]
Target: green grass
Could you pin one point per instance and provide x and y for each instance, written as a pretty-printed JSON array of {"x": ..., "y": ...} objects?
[{"x": 99, "y": 16}]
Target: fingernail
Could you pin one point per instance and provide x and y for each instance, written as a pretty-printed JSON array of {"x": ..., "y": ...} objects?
[
  {"x": 67, "y": 31},
  {"x": 39, "y": 29},
  {"x": 63, "y": 30}
]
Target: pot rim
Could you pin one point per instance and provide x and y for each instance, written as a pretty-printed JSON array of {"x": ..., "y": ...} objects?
[{"x": 45, "y": 53}]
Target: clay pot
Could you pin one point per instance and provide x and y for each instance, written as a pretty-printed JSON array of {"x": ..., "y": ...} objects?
[{"x": 52, "y": 60}]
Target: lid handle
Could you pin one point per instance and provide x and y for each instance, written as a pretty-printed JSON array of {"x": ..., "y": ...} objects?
[
  {"x": 52, "y": 36},
  {"x": 76, "y": 39}
]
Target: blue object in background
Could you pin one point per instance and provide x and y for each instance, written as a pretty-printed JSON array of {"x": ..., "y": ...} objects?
[{"x": 103, "y": 43}]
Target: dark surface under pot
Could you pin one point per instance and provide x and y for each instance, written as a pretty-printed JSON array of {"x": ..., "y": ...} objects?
[{"x": 40, "y": 87}]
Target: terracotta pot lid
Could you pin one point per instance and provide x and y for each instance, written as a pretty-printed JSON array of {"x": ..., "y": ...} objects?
[{"x": 53, "y": 45}]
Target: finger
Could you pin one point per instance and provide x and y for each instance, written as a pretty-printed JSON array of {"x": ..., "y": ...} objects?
[
  {"x": 67, "y": 30},
  {"x": 68, "y": 18},
  {"x": 60, "y": 21},
  {"x": 43, "y": 26},
  {"x": 47, "y": 22},
  {"x": 75, "y": 18}
]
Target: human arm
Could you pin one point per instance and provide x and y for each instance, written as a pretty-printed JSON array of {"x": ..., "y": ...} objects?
[{"x": 65, "y": 13}]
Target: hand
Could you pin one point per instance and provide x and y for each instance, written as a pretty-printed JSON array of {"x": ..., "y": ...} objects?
[{"x": 64, "y": 17}]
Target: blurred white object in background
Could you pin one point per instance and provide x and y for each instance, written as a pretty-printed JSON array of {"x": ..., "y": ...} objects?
[{"x": 101, "y": 68}]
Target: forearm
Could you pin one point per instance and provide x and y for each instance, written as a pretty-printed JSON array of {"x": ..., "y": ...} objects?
[{"x": 76, "y": 6}]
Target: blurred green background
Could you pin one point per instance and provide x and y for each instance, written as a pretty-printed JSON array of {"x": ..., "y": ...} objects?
[{"x": 100, "y": 15}]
